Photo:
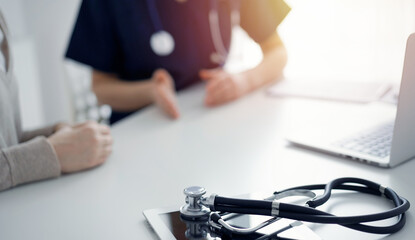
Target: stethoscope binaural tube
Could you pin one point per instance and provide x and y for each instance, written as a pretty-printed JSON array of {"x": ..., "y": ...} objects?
[
  {"x": 162, "y": 42},
  {"x": 221, "y": 53},
  {"x": 309, "y": 214}
]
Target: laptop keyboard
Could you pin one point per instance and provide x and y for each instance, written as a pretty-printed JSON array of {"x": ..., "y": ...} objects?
[{"x": 376, "y": 142}]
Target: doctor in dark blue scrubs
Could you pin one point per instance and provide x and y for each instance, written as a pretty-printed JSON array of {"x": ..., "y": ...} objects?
[{"x": 143, "y": 51}]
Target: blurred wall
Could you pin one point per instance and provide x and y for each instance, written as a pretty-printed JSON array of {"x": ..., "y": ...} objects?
[
  {"x": 347, "y": 39},
  {"x": 50, "y": 23},
  {"x": 40, "y": 30}
]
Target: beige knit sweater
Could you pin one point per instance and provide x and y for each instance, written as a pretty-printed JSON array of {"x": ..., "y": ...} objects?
[{"x": 25, "y": 156}]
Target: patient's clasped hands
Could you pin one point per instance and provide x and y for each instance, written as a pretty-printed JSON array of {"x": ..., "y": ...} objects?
[{"x": 81, "y": 146}]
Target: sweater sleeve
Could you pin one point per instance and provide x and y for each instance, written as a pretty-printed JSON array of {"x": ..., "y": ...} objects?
[
  {"x": 45, "y": 131},
  {"x": 26, "y": 162}
]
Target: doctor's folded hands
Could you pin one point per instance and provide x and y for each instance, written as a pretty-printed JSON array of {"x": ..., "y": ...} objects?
[{"x": 221, "y": 87}]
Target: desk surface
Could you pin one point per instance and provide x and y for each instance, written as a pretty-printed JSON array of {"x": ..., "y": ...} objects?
[{"x": 233, "y": 149}]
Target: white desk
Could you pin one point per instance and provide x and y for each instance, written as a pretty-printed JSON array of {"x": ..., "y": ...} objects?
[{"x": 239, "y": 147}]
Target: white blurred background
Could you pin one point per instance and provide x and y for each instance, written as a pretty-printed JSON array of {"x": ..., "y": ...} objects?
[{"x": 327, "y": 39}]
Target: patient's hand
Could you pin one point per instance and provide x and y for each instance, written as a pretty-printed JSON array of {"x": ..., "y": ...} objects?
[
  {"x": 164, "y": 93},
  {"x": 222, "y": 86},
  {"x": 81, "y": 146}
]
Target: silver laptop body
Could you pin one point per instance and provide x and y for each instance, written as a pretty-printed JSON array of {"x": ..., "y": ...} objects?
[{"x": 387, "y": 144}]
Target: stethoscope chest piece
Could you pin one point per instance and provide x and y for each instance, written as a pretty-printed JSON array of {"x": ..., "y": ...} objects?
[
  {"x": 162, "y": 43},
  {"x": 194, "y": 210}
]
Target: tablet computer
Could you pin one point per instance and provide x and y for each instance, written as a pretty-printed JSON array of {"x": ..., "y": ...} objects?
[{"x": 168, "y": 225}]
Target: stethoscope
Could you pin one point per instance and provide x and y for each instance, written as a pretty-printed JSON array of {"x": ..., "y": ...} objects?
[
  {"x": 217, "y": 208},
  {"x": 162, "y": 42}
]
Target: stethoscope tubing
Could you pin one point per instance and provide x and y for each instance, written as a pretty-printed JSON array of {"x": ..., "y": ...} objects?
[
  {"x": 224, "y": 201},
  {"x": 310, "y": 214},
  {"x": 154, "y": 15},
  {"x": 221, "y": 53},
  {"x": 320, "y": 200}
]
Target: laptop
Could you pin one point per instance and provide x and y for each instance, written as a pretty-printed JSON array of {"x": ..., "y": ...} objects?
[{"x": 386, "y": 144}]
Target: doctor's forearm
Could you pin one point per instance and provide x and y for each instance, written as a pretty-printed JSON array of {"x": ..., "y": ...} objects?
[
  {"x": 272, "y": 64},
  {"x": 270, "y": 68},
  {"x": 120, "y": 95}
]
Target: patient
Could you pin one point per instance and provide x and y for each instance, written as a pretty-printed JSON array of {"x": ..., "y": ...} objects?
[{"x": 42, "y": 153}]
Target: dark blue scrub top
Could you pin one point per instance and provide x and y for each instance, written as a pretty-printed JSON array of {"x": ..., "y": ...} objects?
[{"x": 113, "y": 36}]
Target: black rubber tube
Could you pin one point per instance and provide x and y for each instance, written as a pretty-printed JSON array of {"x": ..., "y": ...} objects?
[
  {"x": 310, "y": 214},
  {"x": 253, "y": 211},
  {"x": 248, "y": 203},
  {"x": 320, "y": 200}
]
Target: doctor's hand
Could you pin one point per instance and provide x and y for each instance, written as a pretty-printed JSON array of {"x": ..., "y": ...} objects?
[
  {"x": 81, "y": 146},
  {"x": 223, "y": 87},
  {"x": 164, "y": 93}
]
